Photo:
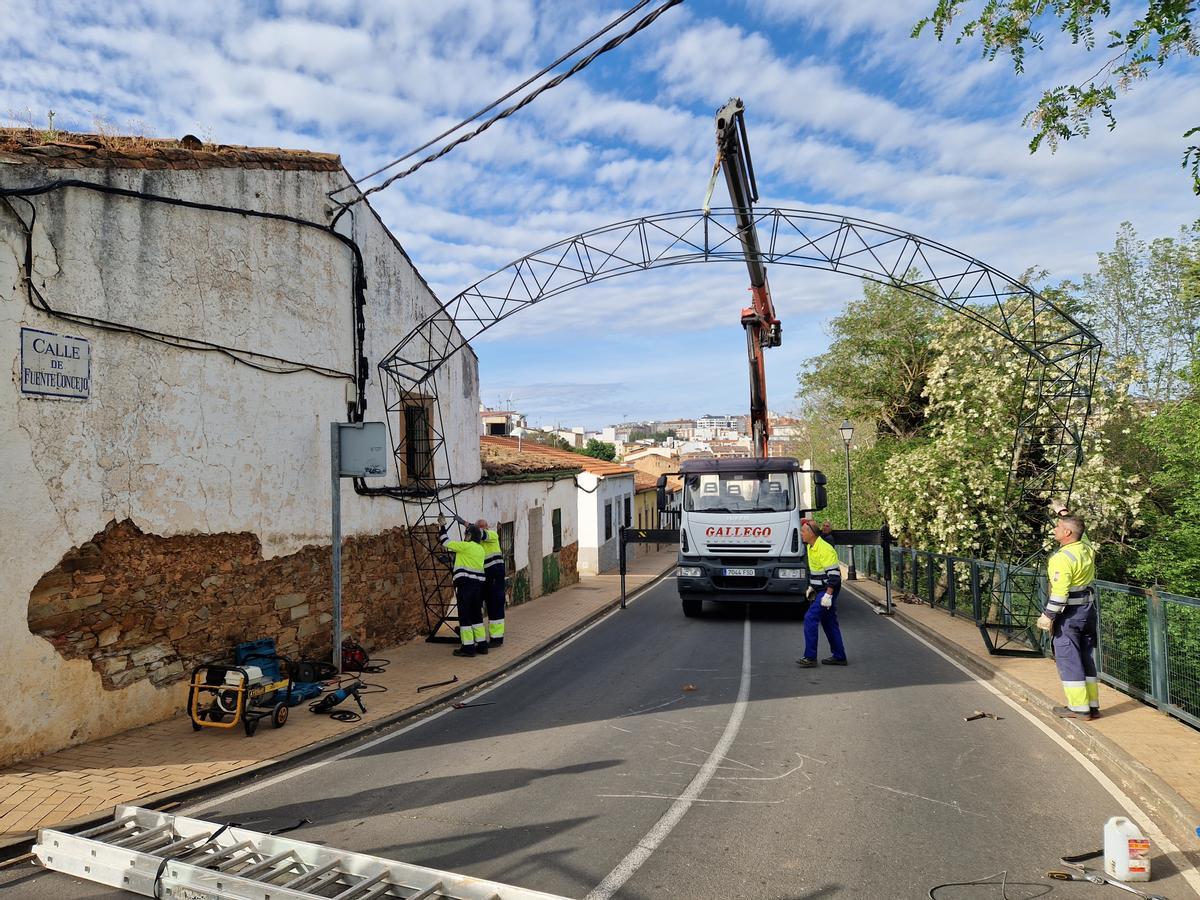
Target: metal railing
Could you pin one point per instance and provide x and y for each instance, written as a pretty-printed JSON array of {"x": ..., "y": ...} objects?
[{"x": 1149, "y": 638}]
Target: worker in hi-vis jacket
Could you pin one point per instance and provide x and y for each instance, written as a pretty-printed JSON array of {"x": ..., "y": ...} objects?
[
  {"x": 825, "y": 578},
  {"x": 1072, "y": 618},
  {"x": 493, "y": 585},
  {"x": 468, "y": 587}
]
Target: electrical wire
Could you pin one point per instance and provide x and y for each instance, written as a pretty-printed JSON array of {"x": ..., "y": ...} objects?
[
  {"x": 245, "y": 357},
  {"x": 608, "y": 45},
  {"x": 467, "y": 121},
  {"x": 1003, "y": 884}
]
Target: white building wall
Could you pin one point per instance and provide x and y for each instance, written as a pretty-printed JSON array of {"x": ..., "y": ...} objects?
[
  {"x": 511, "y": 502},
  {"x": 596, "y": 554},
  {"x": 176, "y": 440}
]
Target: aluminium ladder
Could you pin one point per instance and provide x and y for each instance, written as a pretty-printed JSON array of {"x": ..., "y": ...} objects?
[{"x": 173, "y": 857}]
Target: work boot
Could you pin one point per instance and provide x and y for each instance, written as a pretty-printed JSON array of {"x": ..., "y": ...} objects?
[
  {"x": 481, "y": 648},
  {"x": 1065, "y": 712},
  {"x": 498, "y": 642},
  {"x": 1094, "y": 712},
  {"x": 833, "y": 661},
  {"x": 465, "y": 651},
  {"x": 805, "y": 663}
]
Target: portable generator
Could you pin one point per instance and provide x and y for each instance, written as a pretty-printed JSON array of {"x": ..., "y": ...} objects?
[{"x": 225, "y": 696}]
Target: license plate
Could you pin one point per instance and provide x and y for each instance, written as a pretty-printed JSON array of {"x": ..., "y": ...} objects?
[{"x": 744, "y": 573}]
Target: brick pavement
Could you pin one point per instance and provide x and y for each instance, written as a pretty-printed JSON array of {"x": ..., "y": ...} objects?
[{"x": 151, "y": 763}]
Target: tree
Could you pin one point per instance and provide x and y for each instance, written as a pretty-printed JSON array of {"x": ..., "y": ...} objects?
[
  {"x": 599, "y": 449},
  {"x": 1142, "y": 303},
  {"x": 877, "y": 363},
  {"x": 947, "y": 490},
  {"x": 1171, "y": 553},
  {"x": 1066, "y": 111}
]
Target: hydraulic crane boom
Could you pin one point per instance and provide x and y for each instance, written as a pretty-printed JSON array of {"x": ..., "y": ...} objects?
[{"x": 763, "y": 329}]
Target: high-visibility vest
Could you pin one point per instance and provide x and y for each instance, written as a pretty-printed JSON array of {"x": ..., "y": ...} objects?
[
  {"x": 1071, "y": 571},
  {"x": 824, "y": 570},
  {"x": 468, "y": 558},
  {"x": 493, "y": 557}
]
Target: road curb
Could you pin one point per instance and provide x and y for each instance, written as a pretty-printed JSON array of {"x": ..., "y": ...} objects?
[
  {"x": 11, "y": 848},
  {"x": 1133, "y": 775}
]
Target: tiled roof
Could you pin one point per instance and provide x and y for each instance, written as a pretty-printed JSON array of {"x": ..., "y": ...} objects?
[
  {"x": 100, "y": 151},
  {"x": 501, "y": 460},
  {"x": 644, "y": 482},
  {"x": 565, "y": 458}
]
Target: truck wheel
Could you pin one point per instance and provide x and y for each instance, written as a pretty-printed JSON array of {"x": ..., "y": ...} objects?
[{"x": 692, "y": 606}]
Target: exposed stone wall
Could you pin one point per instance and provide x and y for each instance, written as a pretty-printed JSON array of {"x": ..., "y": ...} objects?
[
  {"x": 143, "y": 607},
  {"x": 559, "y": 570}
]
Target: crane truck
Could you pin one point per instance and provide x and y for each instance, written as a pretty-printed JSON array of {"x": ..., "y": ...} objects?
[{"x": 739, "y": 536}]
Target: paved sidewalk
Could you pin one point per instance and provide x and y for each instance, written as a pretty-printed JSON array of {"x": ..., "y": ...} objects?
[
  {"x": 1154, "y": 754},
  {"x": 152, "y": 764}
]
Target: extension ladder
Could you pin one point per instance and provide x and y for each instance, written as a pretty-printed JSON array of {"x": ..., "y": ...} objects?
[{"x": 177, "y": 858}]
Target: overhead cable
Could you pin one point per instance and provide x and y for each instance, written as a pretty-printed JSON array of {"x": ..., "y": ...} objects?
[
  {"x": 611, "y": 44},
  {"x": 467, "y": 121}
]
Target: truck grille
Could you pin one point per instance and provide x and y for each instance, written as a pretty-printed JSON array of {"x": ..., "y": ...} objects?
[
  {"x": 739, "y": 582},
  {"x": 739, "y": 548}
]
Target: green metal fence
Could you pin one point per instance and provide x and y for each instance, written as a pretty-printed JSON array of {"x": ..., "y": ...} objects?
[{"x": 1149, "y": 639}]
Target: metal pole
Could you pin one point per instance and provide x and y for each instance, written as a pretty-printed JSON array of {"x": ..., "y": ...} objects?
[
  {"x": 335, "y": 470},
  {"x": 621, "y": 554},
  {"x": 851, "y": 574}
]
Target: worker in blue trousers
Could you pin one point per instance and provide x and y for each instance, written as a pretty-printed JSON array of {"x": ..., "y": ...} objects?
[
  {"x": 1072, "y": 618},
  {"x": 825, "y": 579},
  {"x": 468, "y": 587}
]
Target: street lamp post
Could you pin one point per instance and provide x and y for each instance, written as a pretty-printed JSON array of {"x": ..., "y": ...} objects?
[{"x": 847, "y": 431}]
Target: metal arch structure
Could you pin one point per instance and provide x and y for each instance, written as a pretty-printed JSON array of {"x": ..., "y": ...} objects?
[{"x": 1062, "y": 357}]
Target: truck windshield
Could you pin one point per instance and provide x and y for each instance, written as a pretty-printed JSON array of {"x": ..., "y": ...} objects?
[{"x": 735, "y": 492}]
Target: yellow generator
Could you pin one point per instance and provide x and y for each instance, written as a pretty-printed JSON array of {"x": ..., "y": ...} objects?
[{"x": 225, "y": 696}]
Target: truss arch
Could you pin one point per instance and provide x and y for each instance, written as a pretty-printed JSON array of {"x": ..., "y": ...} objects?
[{"x": 1062, "y": 354}]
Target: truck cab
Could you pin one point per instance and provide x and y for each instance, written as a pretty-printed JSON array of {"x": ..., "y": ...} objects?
[{"x": 739, "y": 536}]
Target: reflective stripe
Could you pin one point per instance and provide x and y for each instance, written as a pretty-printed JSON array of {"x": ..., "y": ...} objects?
[
  {"x": 496, "y": 628},
  {"x": 466, "y": 634},
  {"x": 480, "y": 634},
  {"x": 461, "y": 574},
  {"x": 1093, "y": 692},
  {"x": 494, "y": 562},
  {"x": 1077, "y": 695}
]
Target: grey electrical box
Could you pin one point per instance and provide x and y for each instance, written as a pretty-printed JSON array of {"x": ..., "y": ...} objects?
[{"x": 362, "y": 449}]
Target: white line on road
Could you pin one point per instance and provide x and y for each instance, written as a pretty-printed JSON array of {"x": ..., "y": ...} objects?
[
  {"x": 657, "y": 834},
  {"x": 390, "y": 735},
  {"x": 1147, "y": 824}
]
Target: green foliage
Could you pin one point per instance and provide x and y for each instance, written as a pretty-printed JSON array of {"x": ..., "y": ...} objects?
[
  {"x": 1170, "y": 555},
  {"x": 1143, "y": 303},
  {"x": 599, "y": 449},
  {"x": 877, "y": 363},
  {"x": 1066, "y": 111}
]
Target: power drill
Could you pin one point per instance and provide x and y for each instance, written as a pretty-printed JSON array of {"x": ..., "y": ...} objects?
[{"x": 333, "y": 698}]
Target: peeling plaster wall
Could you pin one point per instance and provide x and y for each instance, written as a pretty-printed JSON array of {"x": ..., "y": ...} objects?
[{"x": 178, "y": 441}]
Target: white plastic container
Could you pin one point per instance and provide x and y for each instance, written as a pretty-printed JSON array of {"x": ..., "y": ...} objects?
[{"x": 1126, "y": 851}]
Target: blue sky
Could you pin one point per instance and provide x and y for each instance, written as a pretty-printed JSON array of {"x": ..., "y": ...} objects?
[{"x": 845, "y": 113}]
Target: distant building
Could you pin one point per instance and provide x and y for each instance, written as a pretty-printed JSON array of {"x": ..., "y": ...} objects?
[{"x": 499, "y": 422}]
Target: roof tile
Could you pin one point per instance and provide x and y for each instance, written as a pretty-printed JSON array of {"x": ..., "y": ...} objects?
[{"x": 600, "y": 467}]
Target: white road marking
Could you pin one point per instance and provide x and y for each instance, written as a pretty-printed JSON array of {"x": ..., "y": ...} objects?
[
  {"x": 1147, "y": 824},
  {"x": 697, "y": 800},
  {"x": 661, "y": 829},
  {"x": 392, "y": 735},
  {"x": 952, "y": 804}
]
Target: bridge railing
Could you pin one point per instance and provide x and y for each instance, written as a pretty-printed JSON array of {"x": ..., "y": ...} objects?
[{"x": 1149, "y": 638}]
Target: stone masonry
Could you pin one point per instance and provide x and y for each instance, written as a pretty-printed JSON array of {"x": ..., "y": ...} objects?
[{"x": 141, "y": 606}]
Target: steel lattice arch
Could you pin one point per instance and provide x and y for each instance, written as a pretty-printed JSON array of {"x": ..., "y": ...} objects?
[{"x": 1061, "y": 355}]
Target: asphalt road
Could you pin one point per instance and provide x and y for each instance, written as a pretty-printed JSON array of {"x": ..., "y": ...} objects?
[{"x": 861, "y": 781}]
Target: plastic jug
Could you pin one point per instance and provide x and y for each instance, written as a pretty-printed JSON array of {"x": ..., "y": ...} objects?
[{"x": 1126, "y": 851}]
